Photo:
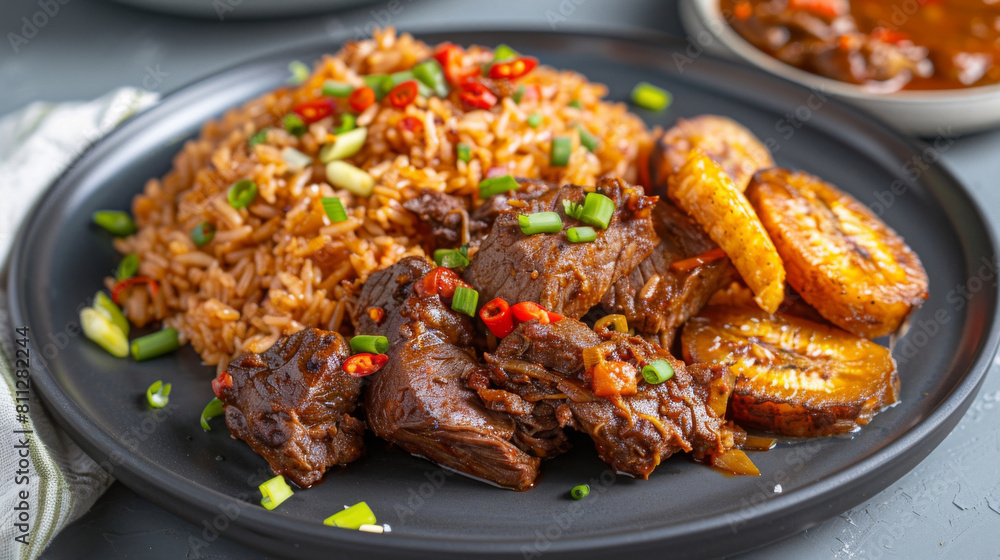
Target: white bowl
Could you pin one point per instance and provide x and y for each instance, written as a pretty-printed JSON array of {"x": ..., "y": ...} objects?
[{"x": 926, "y": 113}]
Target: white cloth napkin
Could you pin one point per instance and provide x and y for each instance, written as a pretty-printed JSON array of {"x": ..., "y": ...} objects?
[{"x": 56, "y": 483}]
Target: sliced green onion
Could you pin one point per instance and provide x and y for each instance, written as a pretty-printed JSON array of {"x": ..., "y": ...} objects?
[
  {"x": 503, "y": 52},
  {"x": 562, "y": 147},
  {"x": 451, "y": 258},
  {"x": 334, "y": 209},
  {"x": 128, "y": 267},
  {"x": 380, "y": 84},
  {"x": 296, "y": 160},
  {"x": 369, "y": 343},
  {"x": 212, "y": 409},
  {"x": 572, "y": 209},
  {"x": 580, "y": 492},
  {"x": 575, "y": 104},
  {"x": 464, "y": 152},
  {"x": 347, "y": 122},
  {"x": 259, "y": 137},
  {"x": 465, "y": 300},
  {"x": 158, "y": 394},
  {"x": 294, "y": 125},
  {"x": 300, "y": 72},
  {"x": 346, "y": 176},
  {"x": 99, "y": 327},
  {"x": 597, "y": 210},
  {"x": 103, "y": 302},
  {"x": 588, "y": 140},
  {"x": 353, "y": 517},
  {"x": 540, "y": 222},
  {"x": 534, "y": 120},
  {"x": 334, "y": 88},
  {"x": 203, "y": 234},
  {"x": 657, "y": 372},
  {"x": 115, "y": 222},
  {"x": 650, "y": 97},
  {"x": 581, "y": 234},
  {"x": 346, "y": 145},
  {"x": 430, "y": 73},
  {"x": 496, "y": 185},
  {"x": 242, "y": 193},
  {"x": 156, "y": 344},
  {"x": 274, "y": 492},
  {"x": 518, "y": 94},
  {"x": 408, "y": 76}
]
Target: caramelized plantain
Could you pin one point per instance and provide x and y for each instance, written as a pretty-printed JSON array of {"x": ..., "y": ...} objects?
[
  {"x": 724, "y": 140},
  {"x": 843, "y": 260},
  {"x": 702, "y": 189},
  {"x": 794, "y": 377}
]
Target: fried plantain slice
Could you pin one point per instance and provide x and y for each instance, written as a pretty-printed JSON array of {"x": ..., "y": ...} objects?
[
  {"x": 702, "y": 189},
  {"x": 844, "y": 261},
  {"x": 724, "y": 140},
  {"x": 794, "y": 377}
]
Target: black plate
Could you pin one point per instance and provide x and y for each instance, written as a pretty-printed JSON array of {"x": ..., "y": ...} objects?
[{"x": 685, "y": 508}]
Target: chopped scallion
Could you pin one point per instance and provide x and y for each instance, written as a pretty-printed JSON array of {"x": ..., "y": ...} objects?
[
  {"x": 657, "y": 372},
  {"x": 562, "y": 147},
  {"x": 540, "y": 222},
  {"x": 575, "y": 104},
  {"x": 380, "y": 84},
  {"x": 296, "y": 160},
  {"x": 572, "y": 209},
  {"x": 203, "y": 234},
  {"x": 242, "y": 193},
  {"x": 353, "y": 517},
  {"x": 212, "y": 409},
  {"x": 597, "y": 210},
  {"x": 650, "y": 97},
  {"x": 274, "y": 492},
  {"x": 103, "y": 302},
  {"x": 496, "y": 185},
  {"x": 580, "y": 492},
  {"x": 409, "y": 76},
  {"x": 369, "y": 343},
  {"x": 451, "y": 258},
  {"x": 347, "y": 122},
  {"x": 518, "y": 94},
  {"x": 465, "y": 300},
  {"x": 334, "y": 209},
  {"x": 346, "y": 176},
  {"x": 99, "y": 327},
  {"x": 503, "y": 52},
  {"x": 294, "y": 125},
  {"x": 115, "y": 222},
  {"x": 155, "y": 344},
  {"x": 158, "y": 394},
  {"x": 332, "y": 88},
  {"x": 128, "y": 268},
  {"x": 258, "y": 137},
  {"x": 464, "y": 152},
  {"x": 346, "y": 145},
  {"x": 588, "y": 140},
  {"x": 300, "y": 72},
  {"x": 430, "y": 73},
  {"x": 534, "y": 120},
  {"x": 581, "y": 234}
]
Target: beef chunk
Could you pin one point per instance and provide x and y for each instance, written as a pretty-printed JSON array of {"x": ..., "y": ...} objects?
[
  {"x": 419, "y": 399},
  {"x": 632, "y": 433},
  {"x": 567, "y": 278},
  {"x": 446, "y": 216},
  {"x": 291, "y": 404},
  {"x": 658, "y": 300}
]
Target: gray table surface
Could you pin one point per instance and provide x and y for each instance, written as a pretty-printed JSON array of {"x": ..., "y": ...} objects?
[{"x": 948, "y": 506}]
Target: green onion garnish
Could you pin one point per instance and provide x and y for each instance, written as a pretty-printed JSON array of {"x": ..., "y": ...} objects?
[
  {"x": 346, "y": 176},
  {"x": 465, "y": 300},
  {"x": 580, "y": 492},
  {"x": 353, "y": 517},
  {"x": 657, "y": 372},
  {"x": 380, "y": 84},
  {"x": 534, "y": 120},
  {"x": 294, "y": 125},
  {"x": 103, "y": 302},
  {"x": 274, "y": 492},
  {"x": 300, "y": 72},
  {"x": 503, "y": 52},
  {"x": 430, "y": 73},
  {"x": 540, "y": 222},
  {"x": 99, "y": 327},
  {"x": 572, "y": 209},
  {"x": 158, "y": 394},
  {"x": 588, "y": 140},
  {"x": 334, "y": 88},
  {"x": 211, "y": 410},
  {"x": 203, "y": 234},
  {"x": 334, "y": 209},
  {"x": 347, "y": 122},
  {"x": 464, "y": 152},
  {"x": 128, "y": 267},
  {"x": 581, "y": 234},
  {"x": 575, "y": 104},
  {"x": 597, "y": 210},
  {"x": 650, "y": 97},
  {"x": 296, "y": 160},
  {"x": 155, "y": 344},
  {"x": 409, "y": 76},
  {"x": 496, "y": 185},
  {"x": 369, "y": 343},
  {"x": 346, "y": 145},
  {"x": 258, "y": 137},
  {"x": 242, "y": 193},
  {"x": 117, "y": 223},
  {"x": 452, "y": 258},
  {"x": 518, "y": 94},
  {"x": 562, "y": 147}
]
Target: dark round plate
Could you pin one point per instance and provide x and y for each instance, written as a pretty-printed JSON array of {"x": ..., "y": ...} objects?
[{"x": 685, "y": 508}]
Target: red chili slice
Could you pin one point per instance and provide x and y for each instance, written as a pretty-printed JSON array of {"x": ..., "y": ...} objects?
[
  {"x": 497, "y": 317},
  {"x": 312, "y": 111},
  {"x": 450, "y": 57},
  {"x": 685, "y": 265},
  {"x": 513, "y": 69},
  {"x": 223, "y": 381},
  {"x": 442, "y": 282},
  {"x": 360, "y": 365},
  {"x": 361, "y": 99},
  {"x": 413, "y": 124},
  {"x": 528, "y": 310},
  {"x": 476, "y": 96},
  {"x": 403, "y": 94},
  {"x": 120, "y": 287}
]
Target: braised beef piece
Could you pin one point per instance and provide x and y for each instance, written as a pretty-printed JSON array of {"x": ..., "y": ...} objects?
[
  {"x": 567, "y": 278},
  {"x": 657, "y": 299},
  {"x": 543, "y": 365},
  {"x": 419, "y": 400},
  {"x": 292, "y": 405},
  {"x": 444, "y": 215}
]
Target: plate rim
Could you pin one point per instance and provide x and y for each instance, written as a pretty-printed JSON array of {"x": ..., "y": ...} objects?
[{"x": 174, "y": 492}]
